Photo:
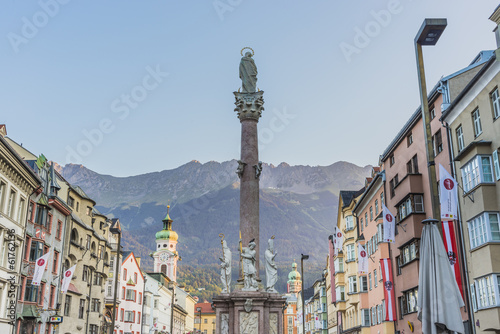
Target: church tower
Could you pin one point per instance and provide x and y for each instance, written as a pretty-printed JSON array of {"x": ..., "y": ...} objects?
[
  {"x": 294, "y": 284},
  {"x": 166, "y": 256}
]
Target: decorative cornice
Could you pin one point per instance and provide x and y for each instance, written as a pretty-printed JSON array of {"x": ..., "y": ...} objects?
[{"x": 249, "y": 105}]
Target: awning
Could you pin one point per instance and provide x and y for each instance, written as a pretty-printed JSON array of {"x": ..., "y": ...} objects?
[{"x": 29, "y": 312}]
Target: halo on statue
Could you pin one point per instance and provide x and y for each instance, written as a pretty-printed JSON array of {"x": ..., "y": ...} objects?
[{"x": 245, "y": 48}]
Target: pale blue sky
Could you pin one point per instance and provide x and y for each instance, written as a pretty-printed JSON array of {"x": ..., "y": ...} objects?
[{"x": 69, "y": 75}]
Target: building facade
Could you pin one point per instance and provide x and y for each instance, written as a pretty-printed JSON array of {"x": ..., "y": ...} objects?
[
  {"x": 18, "y": 187},
  {"x": 474, "y": 131},
  {"x": 204, "y": 320}
]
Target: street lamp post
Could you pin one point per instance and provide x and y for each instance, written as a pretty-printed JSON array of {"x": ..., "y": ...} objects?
[
  {"x": 199, "y": 312},
  {"x": 429, "y": 34},
  {"x": 302, "y": 258}
]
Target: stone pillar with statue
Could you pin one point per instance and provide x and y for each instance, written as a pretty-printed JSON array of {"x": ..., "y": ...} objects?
[{"x": 250, "y": 308}]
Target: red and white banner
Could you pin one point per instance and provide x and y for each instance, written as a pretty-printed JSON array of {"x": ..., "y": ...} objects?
[
  {"x": 40, "y": 265},
  {"x": 67, "y": 276},
  {"x": 448, "y": 194},
  {"x": 450, "y": 244},
  {"x": 390, "y": 303},
  {"x": 362, "y": 260},
  {"x": 338, "y": 240},
  {"x": 389, "y": 225},
  {"x": 332, "y": 270}
]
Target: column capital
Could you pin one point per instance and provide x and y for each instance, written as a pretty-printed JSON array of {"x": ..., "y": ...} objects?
[{"x": 249, "y": 105}]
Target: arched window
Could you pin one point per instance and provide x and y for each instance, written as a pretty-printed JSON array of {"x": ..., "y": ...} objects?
[
  {"x": 93, "y": 247},
  {"x": 164, "y": 269},
  {"x": 106, "y": 257},
  {"x": 74, "y": 235}
]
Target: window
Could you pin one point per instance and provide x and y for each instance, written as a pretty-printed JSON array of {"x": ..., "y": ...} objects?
[
  {"x": 370, "y": 280},
  {"x": 353, "y": 286},
  {"x": 20, "y": 210},
  {"x": 365, "y": 317},
  {"x": 340, "y": 293},
  {"x": 391, "y": 160},
  {"x": 379, "y": 314},
  {"x": 205, "y": 321},
  {"x": 477, "y": 170},
  {"x": 398, "y": 264},
  {"x": 376, "y": 207},
  {"x": 94, "y": 329},
  {"x": 414, "y": 203},
  {"x": 81, "y": 309},
  {"x": 59, "y": 230},
  {"x": 56, "y": 262},
  {"x": 409, "y": 139},
  {"x": 96, "y": 305},
  {"x": 135, "y": 278},
  {"x": 67, "y": 305},
  {"x": 409, "y": 252},
  {"x": 392, "y": 186},
  {"x": 71, "y": 202},
  {"x": 98, "y": 277},
  {"x": 36, "y": 250},
  {"x": 375, "y": 280},
  {"x": 156, "y": 303},
  {"x": 382, "y": 198},
  {"x": 48, "y": 223},
  {"x": 412, "y": 165},
  {"x": 140, "y": 298},
  {"x": 371, "y": 213},
  {"x": 31, "y": 292},
  {"x": 484, "y": 228},
  {"x": 460, "y": 138},
  {"x": 89, "y": 239},
  {"x": 496, "y": 164},
  {"x": 408, "y": 302},
  {"x": 85, "y": 274},
  {"x": 11, "y": 204},
  {"x": 437, "y": 143},
  {"x": 88, "y": 212},
  {"x": 349, "y": 223},
  {"x": 361, "y": 224},
  {"x": 130, "y": 295},
  {"x": 363, "y": 284},
  {"x": 125, "y": 274},
  {"x": 432, "y": 113},
  {"x": 350, "y": 252},
  {"x": 495, "y": 102},
  {"x": 3, "y": 186},
  {"x": 366, "y": 219},
  {"x": 339, "y": 265},
  {"x": 476, "y": 122},
  {"x": 129, "y": 316}
]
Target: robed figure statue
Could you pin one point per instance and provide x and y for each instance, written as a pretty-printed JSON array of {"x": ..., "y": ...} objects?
[
  {"x": 249, "y": 271},
  {"x": 271, "y": 268},
  {"x": 248, "y": 73},
  {"x": 225, "y": 267}
]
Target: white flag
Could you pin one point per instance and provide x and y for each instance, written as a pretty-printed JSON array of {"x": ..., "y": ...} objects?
[
  {"x": 389, "y": 224},
  {"x": 447, "y": 194},
  {"x": 338, "y": 240},
  {"x": 68, "y": 275},
  {"x": 40, "y": 265},
  {"x": 362, "y": 260}
]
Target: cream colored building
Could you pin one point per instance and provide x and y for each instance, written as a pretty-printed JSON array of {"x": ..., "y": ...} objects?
[
  {"x": 473, "y": 121},
  {"x": 17, "y": 184},
  {"x": 346, "y": 267}
]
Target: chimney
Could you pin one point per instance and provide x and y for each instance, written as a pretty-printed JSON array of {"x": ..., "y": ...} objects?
[{"x": 495, "y": 17}]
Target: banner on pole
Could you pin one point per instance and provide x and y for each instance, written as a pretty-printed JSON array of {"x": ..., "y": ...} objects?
[
  {"x": 389, "y": 225},
  {"x": 448, "y": 195},
  {"x": 67, "y": 276},
  {"x": 362, "y": 260},
  {"x": 390, "y": 303},
  {"x": 450, "y": 245},
  {"x": 40, "y": 265}
]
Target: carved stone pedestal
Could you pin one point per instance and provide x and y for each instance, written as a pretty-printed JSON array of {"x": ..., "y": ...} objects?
[{"x": 249, "y": 312}]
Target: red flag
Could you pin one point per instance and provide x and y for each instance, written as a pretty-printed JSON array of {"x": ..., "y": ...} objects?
[
  {"x": 390, "y": 303},
  {"x": 450, "y": 245},
  {"x": 332, "y": 272}
]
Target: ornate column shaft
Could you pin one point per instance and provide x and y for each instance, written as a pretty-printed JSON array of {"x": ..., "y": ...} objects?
[{"x": 249, "y": 107}]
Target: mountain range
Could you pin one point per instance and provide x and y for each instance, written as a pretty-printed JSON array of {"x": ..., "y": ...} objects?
[{"x": 298, "y": 204}]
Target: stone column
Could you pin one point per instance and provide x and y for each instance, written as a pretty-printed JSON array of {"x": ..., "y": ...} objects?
[{"x": 249, "y": 107}]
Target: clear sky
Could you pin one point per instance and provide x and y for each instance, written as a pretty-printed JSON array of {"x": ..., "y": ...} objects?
[{"x": 150, "y": 82}]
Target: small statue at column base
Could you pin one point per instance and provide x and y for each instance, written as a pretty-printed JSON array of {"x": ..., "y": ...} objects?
[
  {"x": 249, "y": 270},
  {"x": 271, "y": 268}
]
